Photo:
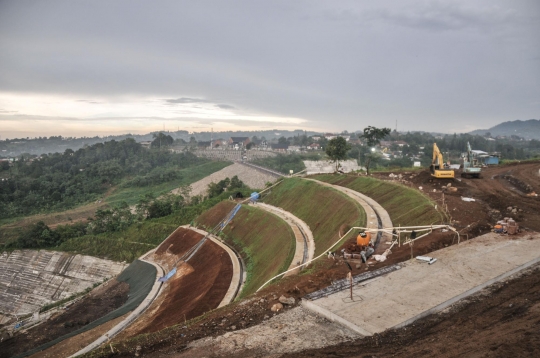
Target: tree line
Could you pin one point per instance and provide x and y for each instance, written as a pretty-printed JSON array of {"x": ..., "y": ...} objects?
[{"x": 63, "y": 180}]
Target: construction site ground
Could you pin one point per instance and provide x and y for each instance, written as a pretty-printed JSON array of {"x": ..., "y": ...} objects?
[
  {"x": 494, "y": 194},
  {"x": 96, "y": 304}
]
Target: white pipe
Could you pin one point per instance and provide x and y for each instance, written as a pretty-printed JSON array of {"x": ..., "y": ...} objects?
[{"x": 356, "y": 228}]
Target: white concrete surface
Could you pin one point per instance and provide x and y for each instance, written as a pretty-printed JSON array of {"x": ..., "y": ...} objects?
[
  {"x": 30, "y": 279},
  {"x": 327, "y": 167},
  {"x": 297, "y": 225},
  {"x": 238, "y": 279},
  {"x": 253, "y": 178},
  {"x": 419, "y": 289}
]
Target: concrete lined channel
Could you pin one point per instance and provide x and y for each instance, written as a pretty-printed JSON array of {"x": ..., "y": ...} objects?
[{"x": 305, "y": 243}]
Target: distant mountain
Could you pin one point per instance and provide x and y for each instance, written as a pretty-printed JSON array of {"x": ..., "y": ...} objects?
[{"x": 527, "y": 129}]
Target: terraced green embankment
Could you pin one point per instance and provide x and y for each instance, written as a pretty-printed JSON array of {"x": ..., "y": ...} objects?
[
  {"x": 266, "y": 241},
  {"x": 406, "y": 206},
  {"x": 324, "y": 209}
]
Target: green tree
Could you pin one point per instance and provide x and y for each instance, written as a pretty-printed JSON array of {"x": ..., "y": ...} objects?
[
  {"x": 373, "y": 136},
  {"x": 161, "y": 140},
  {"x": 337, "y": 149}
]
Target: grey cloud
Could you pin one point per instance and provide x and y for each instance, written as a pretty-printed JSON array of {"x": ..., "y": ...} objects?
[
  {"x": 225, "y": 106},
  {"x": 184, "y": 100},
  {"x": 340, "y": 65},
  {"x": 88, "y": 101}
]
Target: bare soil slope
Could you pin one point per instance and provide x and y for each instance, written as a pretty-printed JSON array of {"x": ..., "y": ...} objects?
[{"x": 198, "y": 286}]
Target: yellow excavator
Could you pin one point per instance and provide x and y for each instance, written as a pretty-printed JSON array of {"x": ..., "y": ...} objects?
[{"x": 438, "y": 168}]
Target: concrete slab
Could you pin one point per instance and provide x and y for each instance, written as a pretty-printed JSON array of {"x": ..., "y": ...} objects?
[{"x": 418, "y": 289}]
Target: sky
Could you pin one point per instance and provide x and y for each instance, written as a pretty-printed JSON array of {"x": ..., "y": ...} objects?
[{"x": 86, "y": 68}]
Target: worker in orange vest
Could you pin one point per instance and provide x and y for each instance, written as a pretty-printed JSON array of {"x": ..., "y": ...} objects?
[{"x": 363, "y": 238}]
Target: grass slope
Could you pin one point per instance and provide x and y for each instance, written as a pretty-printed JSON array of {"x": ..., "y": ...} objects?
[
  {"x": 406, "y": 206},
  {"x": 266, "y": 241},
  {"x": 188, "y": 176},
  {"x": 324, "y": 210}
]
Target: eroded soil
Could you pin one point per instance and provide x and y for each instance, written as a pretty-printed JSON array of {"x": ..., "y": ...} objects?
[{"x": 96, "y": 304}]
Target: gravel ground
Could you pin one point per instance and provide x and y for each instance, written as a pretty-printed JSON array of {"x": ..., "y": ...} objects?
[
  {"x": 251, "y": 177},
  {"x": 293, "y": 331}
]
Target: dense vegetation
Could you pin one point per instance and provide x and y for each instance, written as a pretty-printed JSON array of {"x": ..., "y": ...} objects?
[
  {"x": 120, "y": 233},
  {"x": 62, "y": 181}
]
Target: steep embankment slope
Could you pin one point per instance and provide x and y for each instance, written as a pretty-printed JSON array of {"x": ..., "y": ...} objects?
[
  {"x": 266, "y": 242},
  {"x": 325, "y": 210},
  {"x": 406, "y": 206}
]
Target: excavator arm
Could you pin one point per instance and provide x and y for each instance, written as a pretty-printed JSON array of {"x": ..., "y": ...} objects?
[{"x": 437, "y": 165}]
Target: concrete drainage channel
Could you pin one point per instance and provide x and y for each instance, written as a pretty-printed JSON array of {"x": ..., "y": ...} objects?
[{"x": 305, "y": 243}]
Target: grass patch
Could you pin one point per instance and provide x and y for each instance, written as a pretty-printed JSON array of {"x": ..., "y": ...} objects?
[
  {"x": 266, "y": 241},
  {"x": 325, "y": 210},
  {"x": 406, "y": 206},
  {"x": 131, "y": 195}
]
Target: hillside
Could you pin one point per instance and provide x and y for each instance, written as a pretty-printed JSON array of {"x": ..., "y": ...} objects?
[
  {"x": 325, "y": 210},
  {"x": 266, "y": 241},
  {"x": 529, "y": 129}
]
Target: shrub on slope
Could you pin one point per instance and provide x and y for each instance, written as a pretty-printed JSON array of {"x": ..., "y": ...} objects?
[
  {"x": 406, "y": 206},
  {"x": 324, "y": 210},
  {"x": 266, "y": 241}
]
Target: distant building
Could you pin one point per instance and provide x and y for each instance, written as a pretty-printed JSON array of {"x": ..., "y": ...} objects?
[
  {"x": 203, "y": 145},
  {"x": 314, "y": 146},
  {"x": 238, "y": 142},
  {"x": 146, "y": 144},
  {"x": 280, "y": 147}
]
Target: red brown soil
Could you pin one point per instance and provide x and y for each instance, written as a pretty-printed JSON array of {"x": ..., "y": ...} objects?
[
  {"x": 96, "y": 304},
  {"x": 176, "y": 245},
  {"x": 198, "y": 286}
]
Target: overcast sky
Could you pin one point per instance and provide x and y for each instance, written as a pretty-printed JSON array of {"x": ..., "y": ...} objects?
[{"x": 79, "y": 68}]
